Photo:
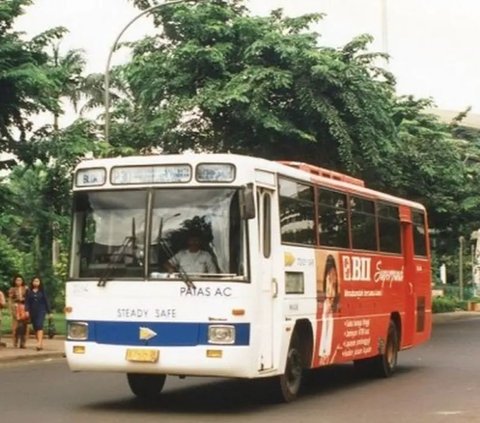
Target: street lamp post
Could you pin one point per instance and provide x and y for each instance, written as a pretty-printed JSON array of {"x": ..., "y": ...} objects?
[
  {"x": 384, "y": 6},
  {"x": 461, "y": 241},
  {"x": 110, "y": 54}
]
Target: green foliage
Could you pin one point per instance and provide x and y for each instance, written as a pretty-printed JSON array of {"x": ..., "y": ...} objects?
[
  {"x": 36, "y": 199},
  {"x": 25, "y": 83},
  {"x": 58, "y": 319},
  {"x": 447, "y": 304},
  {"x": 11, "y": 260},
  {"x": 218, "y": 79}
]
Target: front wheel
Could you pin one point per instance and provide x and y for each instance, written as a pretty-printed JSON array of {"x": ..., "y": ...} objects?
[
  {"x": 288, "y": 385},
  {"x": 146, "y": 386}
]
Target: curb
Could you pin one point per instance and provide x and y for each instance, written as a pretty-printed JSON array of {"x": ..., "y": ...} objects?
[
  {"x": 439, "y": 318},
  {"x": 31, "y": 357},
  {"x": 10, "y": 355}
]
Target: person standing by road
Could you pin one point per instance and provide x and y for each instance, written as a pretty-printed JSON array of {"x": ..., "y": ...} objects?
[
  {"x": 3, "y": 304},
  {"x": 37, "y": 307},
  {"x": 16, "y": 299}
]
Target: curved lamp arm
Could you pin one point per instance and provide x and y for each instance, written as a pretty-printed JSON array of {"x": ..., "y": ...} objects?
[{"x": 110, "y": 54}]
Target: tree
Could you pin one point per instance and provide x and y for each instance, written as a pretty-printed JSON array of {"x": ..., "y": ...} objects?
[
  {"x": 67, "y": 70},
  {"x": 35, "y": 197},
  {"x": 24, "y": 81},
  {"x": 218, "y": 79}
]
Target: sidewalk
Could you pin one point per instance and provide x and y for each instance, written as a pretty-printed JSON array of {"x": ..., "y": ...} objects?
[{"x": 52, "y": 348}]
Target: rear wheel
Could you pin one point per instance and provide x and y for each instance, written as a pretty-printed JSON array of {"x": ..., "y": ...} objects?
[
  {"x": 146, "y": 386},
  {"x": 385, "y": 364}
]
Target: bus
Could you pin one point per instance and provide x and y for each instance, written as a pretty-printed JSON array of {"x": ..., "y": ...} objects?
[{"x": 291, "y": 267}]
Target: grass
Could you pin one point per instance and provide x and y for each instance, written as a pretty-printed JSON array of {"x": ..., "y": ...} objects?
[{"x": 58, "y": 318}]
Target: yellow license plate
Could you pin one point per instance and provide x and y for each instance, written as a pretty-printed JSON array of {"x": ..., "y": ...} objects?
[{"x": 142, "y": 355}]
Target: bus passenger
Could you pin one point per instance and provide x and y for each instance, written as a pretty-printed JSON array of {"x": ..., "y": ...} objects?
[{"x": 192, "y": 259}]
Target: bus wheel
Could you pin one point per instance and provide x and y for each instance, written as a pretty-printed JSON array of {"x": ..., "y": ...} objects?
[
  {"x": 290, "y": 382},
  {"x": 385, "y": 364},
  {"x": 146, "y": 386}
]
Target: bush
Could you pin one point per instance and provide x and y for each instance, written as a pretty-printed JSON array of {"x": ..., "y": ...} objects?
[{"x": 446, "y": 304}]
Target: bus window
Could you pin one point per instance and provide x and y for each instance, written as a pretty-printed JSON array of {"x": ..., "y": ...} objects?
[
  {"x": 110, "y": 229},
  {"x": 296, "y": 212},
  {"x": 333, "y": 219},
  {"x": 213, "y": 215},
  {"x": 419, "y": 233},
  {"x": 267, "y": 224},
  {"x": 389, "y": 228},
  {"x": 363, "y": 225}
]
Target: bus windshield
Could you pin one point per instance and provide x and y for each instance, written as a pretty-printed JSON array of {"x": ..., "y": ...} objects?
[{"x": 159, "y": 234}]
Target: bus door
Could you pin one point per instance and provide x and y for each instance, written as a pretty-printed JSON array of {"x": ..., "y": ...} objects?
[
  {"x": 266, "y": 281},
  {"x": 408, "y": 324}
]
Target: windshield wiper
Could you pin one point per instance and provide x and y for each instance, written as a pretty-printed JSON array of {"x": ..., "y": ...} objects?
[{"x": 120, "y": 256}]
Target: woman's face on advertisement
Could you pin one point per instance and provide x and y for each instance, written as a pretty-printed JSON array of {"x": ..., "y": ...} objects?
[{"x": 331, "y": 283}]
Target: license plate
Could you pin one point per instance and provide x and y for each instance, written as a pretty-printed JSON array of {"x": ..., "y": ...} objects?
[{"x": 142, "y": 355}]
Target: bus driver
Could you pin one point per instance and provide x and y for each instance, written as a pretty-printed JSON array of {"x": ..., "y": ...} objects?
[{"x": 192, "y": 259}]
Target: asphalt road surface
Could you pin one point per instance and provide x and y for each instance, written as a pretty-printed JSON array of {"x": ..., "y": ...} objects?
[{"x": 437, "y": 382}]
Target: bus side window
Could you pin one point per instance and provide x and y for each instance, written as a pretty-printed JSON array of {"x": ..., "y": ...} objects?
[
  {"x": 333, "y": 219},
  {"x": 297, "y": 211},
  {"x": 267, "y": 223},
  {"x": 364, "y": 235},
  {"x": 389, "y": 228},
  {"x": 259, "y": 214},
  {"x": 419, "y": 233}
]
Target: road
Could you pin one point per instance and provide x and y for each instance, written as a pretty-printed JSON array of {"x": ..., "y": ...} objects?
[{"x": 437, "y": 382}]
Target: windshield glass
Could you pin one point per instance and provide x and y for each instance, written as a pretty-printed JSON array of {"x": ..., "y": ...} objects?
[
  {"x": 197, "y": 232},
  {"x": 109, "y": 233}
]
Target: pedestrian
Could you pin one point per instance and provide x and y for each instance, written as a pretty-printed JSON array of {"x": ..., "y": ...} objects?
[
  {"x": 37, "y": 307},
  {"x": 3, "y": 304},
  {"x": 20, "y": 334},
  {"x": 16, "y": 301}
]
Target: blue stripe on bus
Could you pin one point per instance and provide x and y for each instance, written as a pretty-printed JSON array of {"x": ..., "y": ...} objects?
[{"x": 169, "y": 334}]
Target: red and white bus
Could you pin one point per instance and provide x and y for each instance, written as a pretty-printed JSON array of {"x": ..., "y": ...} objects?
[{"x": 306, "y": 268}]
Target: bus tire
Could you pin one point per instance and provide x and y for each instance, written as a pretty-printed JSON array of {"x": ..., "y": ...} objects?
[
  {"x": 146, "y": 386},
  {"x": 385, "y": 364},
  {"x": 289, "y": 384}
]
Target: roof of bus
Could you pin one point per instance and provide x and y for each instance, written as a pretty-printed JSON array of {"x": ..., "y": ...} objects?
[{"x": 253, "y": 163}]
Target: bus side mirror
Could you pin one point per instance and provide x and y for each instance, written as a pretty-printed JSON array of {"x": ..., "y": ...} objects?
[{"x": 247, "y": 202}]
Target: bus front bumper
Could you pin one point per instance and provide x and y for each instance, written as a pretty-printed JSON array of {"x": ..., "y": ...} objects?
[{"x": 214, "y": 360}]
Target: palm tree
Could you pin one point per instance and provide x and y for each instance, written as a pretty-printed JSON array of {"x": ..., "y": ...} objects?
[{"x": 67, "y": 70}]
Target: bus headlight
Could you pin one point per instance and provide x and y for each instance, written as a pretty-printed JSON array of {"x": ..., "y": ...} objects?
[
  {"x": 221, "y": 334},
  {"x": 77, "y": 331}
]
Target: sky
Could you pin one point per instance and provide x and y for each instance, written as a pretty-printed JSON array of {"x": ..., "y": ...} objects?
[{"x": 434, "y": 44}]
